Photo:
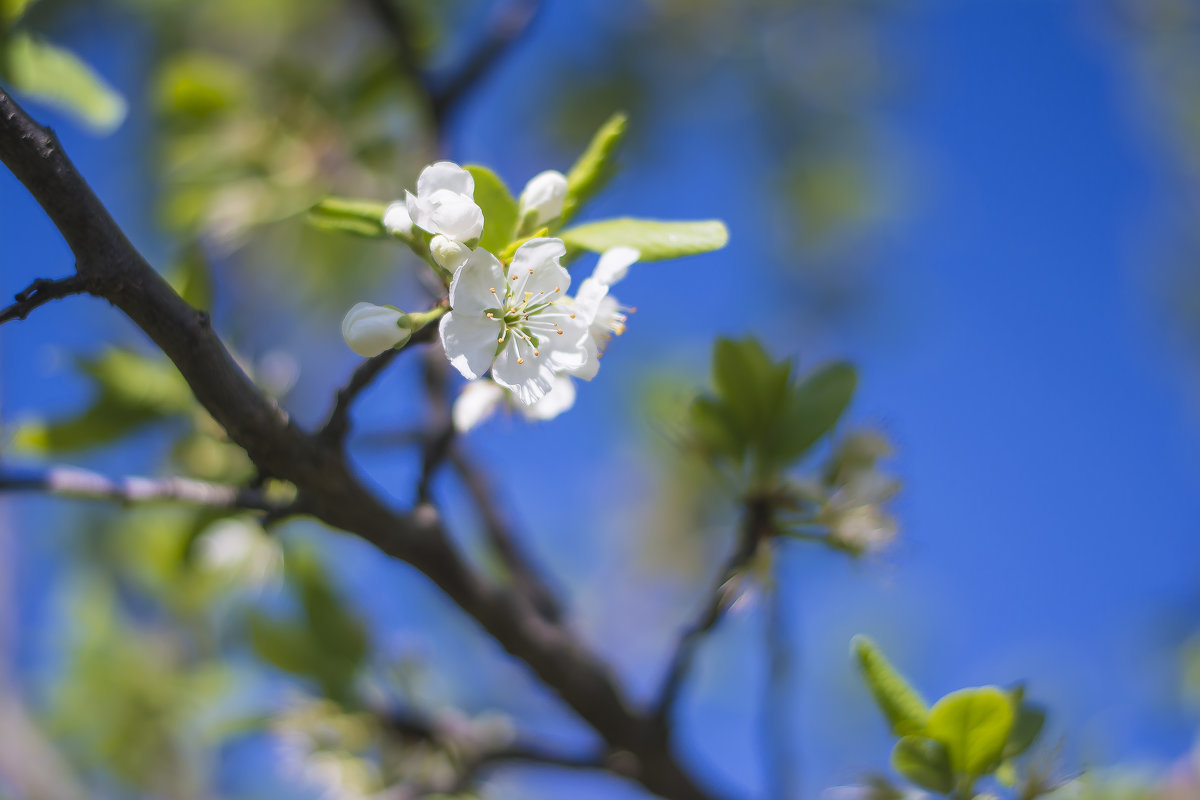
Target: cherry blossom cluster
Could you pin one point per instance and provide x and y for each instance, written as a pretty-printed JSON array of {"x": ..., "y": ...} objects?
[{"x": 512, "y": 328}]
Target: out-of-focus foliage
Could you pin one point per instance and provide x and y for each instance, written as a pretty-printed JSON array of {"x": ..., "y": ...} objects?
[{"x": 967, "y": 737}]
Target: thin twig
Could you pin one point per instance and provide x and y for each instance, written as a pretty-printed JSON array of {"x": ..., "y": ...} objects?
[
  {"x": 756, "y": 527},
  {"x": 84, "y": 484},
  {"x": 476, "y": 758},
  {"x": 337, "y": 424},
  {"x": 40, "y": 292},
  {"x": 502, "y": 539},
  {"x": 440, "y": 426}
]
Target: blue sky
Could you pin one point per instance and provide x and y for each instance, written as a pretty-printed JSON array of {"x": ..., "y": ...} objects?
[{"x": 1017, "y": 349}]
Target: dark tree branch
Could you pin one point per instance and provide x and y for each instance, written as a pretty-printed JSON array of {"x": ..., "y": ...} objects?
[
  {"x": 503, "y": 540},
  {"x": 756, "y": 528},
  {"x": 40, "y": 292},
  {"x": 86, "y": 485},
  {"x": 113, "y": 269}
]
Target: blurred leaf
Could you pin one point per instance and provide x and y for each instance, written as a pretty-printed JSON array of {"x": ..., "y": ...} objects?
[
  {"x": 192, "y": 277},
  {"x": 499, "y": 208},
  {"x": 814, "y": 408},
  {"x": 655, "y": 240},
  {"x": 358, "y": 217},
  {"x": 925, "y": 762},
  {"x": 974, "y": 725},
  {"x": 199, "y": 86},
  {"x": 904, "y": 709},
  {"x": 56, "y": 76},
  {"x": 282, "y": 644},
  {"x": 750, "y": 385},
  {"x": 131, "y": 391},
  {"x": 12, "y": 10},
  {"x": 332, "y": 624},
  {"x": 1027, "y": 726},
  {"x": 595, "y": 167}
]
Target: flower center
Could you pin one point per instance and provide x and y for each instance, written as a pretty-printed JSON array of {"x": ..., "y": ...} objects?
[{"x": 523, "y": 321}]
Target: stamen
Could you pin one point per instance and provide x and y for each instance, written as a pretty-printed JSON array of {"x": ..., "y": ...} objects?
[
  {"x": 490, "y": 315},
  {"x": 520, "y": 361},
  {"x": 572, "y": 316},
  {"x": 531, "y": 270},
  {"x": 492, "y": 290}
]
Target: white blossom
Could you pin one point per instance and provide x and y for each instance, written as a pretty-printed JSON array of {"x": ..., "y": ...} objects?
[
  {"x": 444, "y": 202},
  {"x": 370, "y": 329},
  {"x": 515, "y": 322},
  {"x": 241, "y": 551},
  {"x": 396, "y": 219},
  {"x": 543, "y": 197},
  {"x": 600, "y": 310}
]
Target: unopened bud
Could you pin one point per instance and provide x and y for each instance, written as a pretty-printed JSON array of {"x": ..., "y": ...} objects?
[
  {"x": 449, "y": 254},
  {"x": 543, "y": 197},
  {"x": 370, "y": 329}
]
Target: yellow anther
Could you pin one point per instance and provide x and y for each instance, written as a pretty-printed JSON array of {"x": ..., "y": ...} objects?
[
  {"x": 520, "y": 361},
  {"x": 490, "y": 315},
  {"x": 572, "y": 316},
  {"x": 492, "y": 290}
]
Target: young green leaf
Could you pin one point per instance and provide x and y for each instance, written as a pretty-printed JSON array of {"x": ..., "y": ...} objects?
[
  {"x": 595, "y": 166},
  {"x": 904, "y": 709},
  {"x": 653, "y": 239},
  {"x": 815, "y": 407},
  {"x": 925, "y": 762},
  {"x": 974, "y": 725},
  {"x": 56, "y": 76},
  {"x": 12, "y": 10},
  {"x": 1026, "y": 728},
  {"x": 499, "y": 208}
]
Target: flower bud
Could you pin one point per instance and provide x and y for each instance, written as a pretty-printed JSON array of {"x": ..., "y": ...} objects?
[
  {"x": 449, "y": 254},
  {"x": 370, "y": 329},
  {"x": 543, "y": 197},
  {"x": 396, "y": 219}
]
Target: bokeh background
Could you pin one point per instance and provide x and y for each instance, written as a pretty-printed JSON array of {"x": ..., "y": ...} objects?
[{"x": 988, "y": 208}]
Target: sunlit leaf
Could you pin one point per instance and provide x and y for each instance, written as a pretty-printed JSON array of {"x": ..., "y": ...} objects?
[
  {"x": 56, "y": 76},
  {"x": 357, "y": 217},
  {"x": 905, "y": 710},
  {"x": 653, "y": 239},
  {"x": 974, "y": 725},
  {"x": 499, "y": 208},
  {"x": 595, "y": 166}
]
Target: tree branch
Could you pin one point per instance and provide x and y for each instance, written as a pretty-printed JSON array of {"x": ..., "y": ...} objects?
[
  {"x": 86, "y": 485},
  {"x": 756, "y": 527},
  {"x": 114, "y": 270},
  {"x": 40, "y": 292}
]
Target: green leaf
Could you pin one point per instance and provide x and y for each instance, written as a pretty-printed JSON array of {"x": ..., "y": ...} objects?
[
  {"x": 925, "y": 762},
  {"x": 653, "y": 239},
  {"x": 974, "y": 725},
  {"x": 281, "y": 644},
  {"x": 343, "y": 215},
  {"x": 904, "y": 709},
  {"x": 1026, "y": 728},
  {"x": 814, "y": 408},
  {"x": 751, "y": 386},
  {"x": 337, "y": 631},
  {"x": 200, "y": 86},
  {"x": 12, "y": 10},
  {"x": 56, "y": 76},
  {"x": 595, "y": 166},
  {"x": 499, "y": 208}
]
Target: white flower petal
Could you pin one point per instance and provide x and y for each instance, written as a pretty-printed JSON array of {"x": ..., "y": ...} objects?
[
  {"x": 558, "y": 399},
  {"x": 587, "y": 299},
  {"x": 370, "y": 329},
  {"x": 476, "y": 402},
  {"x": 568, "y": 350},
  {"x": 591, "y": 366},
  {"x": 536, "y": 261},
  {"x": 527, "y": 378},
  {"x": 469, "y": 341},
  {"x": 445, "y": 175},
  {"x": 614, "y": 264},
  {"x": 473, "y": 282},
  {"x": 453, "y": 215}
]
